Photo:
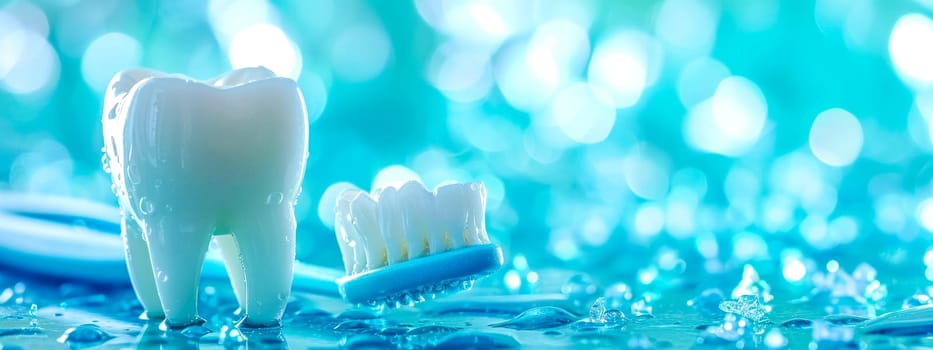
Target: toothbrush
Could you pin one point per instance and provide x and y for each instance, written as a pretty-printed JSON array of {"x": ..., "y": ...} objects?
[
  {"x": 76, "y": 239},
  {"x": 401, "y": 246}
]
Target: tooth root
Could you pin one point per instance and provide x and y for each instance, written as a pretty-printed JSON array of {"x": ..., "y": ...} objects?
[
  {"x": 266, "y": 238},
  {"x": 452, "y": 209},
  {"x": 140, "y": 268},
  {"x": 175, "y": 248},
  {"x": 348, "y": 239},
  {"x": 477, "y": 214},
  {"x": 230, "y": 252},
  {"x": 390, "y": 220},
  {"x": 366, "y": 222},
  {"x": 418, "y": 213}
]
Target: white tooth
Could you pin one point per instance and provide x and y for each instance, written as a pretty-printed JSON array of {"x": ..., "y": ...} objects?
[
  {"x": 419, "y": 219},
  {"x": 390, "y": 219},
  {"x": 476, "y": 214},
  {"x": 365, "y": 216},
  {"x": 452, "y": 206},
  {"x": 192, "y": 158},
  {"x": 348, "y": 239}
]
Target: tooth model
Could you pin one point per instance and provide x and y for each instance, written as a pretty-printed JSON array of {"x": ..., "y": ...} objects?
[
  {"x": 402, "y": 245},
  {"x": 192, "y": 161}
]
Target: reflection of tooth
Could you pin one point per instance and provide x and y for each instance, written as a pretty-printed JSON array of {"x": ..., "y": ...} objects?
[
  {"x": 418, "y": 215},
  {"x": 452, "y": 208},
  {"x": 407, "y": 223},
  {"x": 365, "y": 219},
  {"x": 190, "y": 158},
  {"x": 390, "y": 220}
]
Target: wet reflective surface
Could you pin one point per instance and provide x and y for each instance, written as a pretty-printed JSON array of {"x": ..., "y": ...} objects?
[{"x": 580, "y": 312}]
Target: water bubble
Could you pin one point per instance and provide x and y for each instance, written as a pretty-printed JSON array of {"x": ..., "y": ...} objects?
[
  {"x": 275, "y": 198},
  {"x": 33, "y": 310},
  {"x": 538, "y": 318},
  {"x": 86, "y": 335},
  {"x": 145, "y": 206},
  {"x": 162, "y": 276}
]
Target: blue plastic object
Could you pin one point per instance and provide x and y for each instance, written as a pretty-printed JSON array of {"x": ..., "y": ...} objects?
[{"x": 415, "y": 280}]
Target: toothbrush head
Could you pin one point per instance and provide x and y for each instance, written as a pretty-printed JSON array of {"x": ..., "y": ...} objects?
[
  {"x": 404, "y": 245},
  {"x": 425, "y": 278}
]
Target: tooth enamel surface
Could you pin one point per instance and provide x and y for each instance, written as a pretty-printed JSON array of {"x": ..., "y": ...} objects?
[
  {"x": 418, "y": 218},
  {"x": 408, "y": 223},
  {"x": 453, "y": 209},
  {"x": 390, "y": 219},
  {"x": 223, "y": 158},
  {"x": 365, "y": 219},
  {"x": 347, "y": 237}
]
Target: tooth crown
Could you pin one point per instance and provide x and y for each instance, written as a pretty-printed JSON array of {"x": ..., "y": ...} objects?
[
  {"x": 174, "y": 120},
  {"x": 408, "y": 223},
  {"x": 190, "y": 160}
]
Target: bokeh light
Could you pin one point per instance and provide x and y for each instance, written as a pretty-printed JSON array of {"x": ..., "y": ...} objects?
[
  {"x": 265, "y": 45},
  {"x": 107, "y": 55},
  {"x": 836, "y": 137},
  {"x": 911, "y": 48}
]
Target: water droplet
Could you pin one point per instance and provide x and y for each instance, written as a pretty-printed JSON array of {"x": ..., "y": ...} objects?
[
  {"x": 195, "y": 332},
  {"x": 538, "y": 318},
  {"x": 132, "y": 174},
  {"x": 33, "y": 310},
  {"x": 614, "y": 317},
  {"x": 162, "y": 276},
  {"x": 476, "y": 340},
  {"x": 275, "y": 198},
  {"x": 797, "y": 323},
  {"x": 83, "y": 336},
  {"x": 105, "y": 163},
  {"x": 145, "y": 206}
]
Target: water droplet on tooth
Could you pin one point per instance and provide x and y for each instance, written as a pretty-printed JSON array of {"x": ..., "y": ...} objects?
[
  {"x": 162, "y": 276},
  {"x": 145, "y": 206},
  {"x": 132, "y": 174},
  {"x": 275, "y": 198}
]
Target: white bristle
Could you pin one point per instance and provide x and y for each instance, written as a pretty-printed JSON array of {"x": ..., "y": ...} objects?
[{"x": 408, "y": 223}]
